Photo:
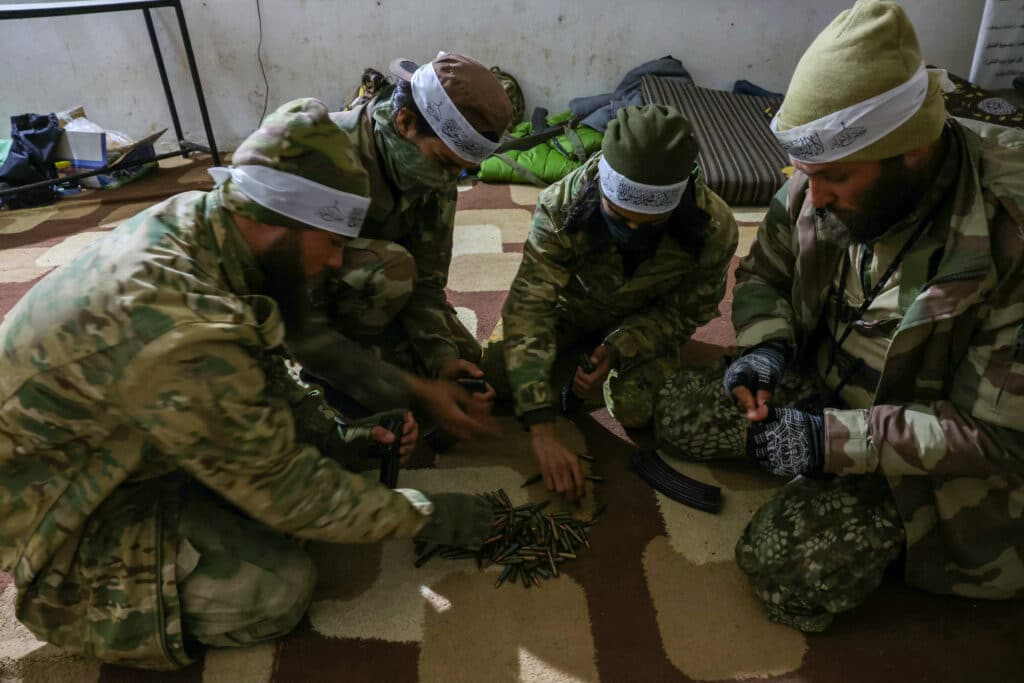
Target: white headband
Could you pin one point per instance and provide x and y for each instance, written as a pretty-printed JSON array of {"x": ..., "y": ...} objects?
[
  {"x": 633, "y": 196},
  {"x": 298, "y": 198},
  {"x": 446, "y": 119},
  {"x": 840, "y": 134}
]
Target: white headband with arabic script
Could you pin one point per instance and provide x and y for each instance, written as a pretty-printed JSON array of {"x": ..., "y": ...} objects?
[
  {"x": 298, "y": 198},
  {"x": 639, "y": 197},
  {"x": 840, "y": 134},
  {"x": 446, "y": 119}
]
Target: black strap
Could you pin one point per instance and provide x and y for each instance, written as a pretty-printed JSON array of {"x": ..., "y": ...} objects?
[
  {"x": 539, "y": 119},
  {"x": 869, "y": 298}
]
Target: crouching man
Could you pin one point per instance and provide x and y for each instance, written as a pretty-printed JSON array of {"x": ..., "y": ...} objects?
[{"x": 158, "y": 465}]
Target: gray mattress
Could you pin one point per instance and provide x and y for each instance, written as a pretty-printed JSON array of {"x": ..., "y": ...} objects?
[{"x": 739, "y": 156}]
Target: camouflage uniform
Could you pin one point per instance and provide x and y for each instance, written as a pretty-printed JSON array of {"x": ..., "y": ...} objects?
[
  {"x": 572, "y": 286},
  {"x": 938, "y": 422},
  {"x": 388, "y": 300},
  {"x": 138, "y": 379}
]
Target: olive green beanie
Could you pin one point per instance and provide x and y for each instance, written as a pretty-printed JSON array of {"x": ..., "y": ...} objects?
[
  {"x": 866, "y": 50},
  {"x": 298, "y": 138},
  {"x": 653, "y": 145}
]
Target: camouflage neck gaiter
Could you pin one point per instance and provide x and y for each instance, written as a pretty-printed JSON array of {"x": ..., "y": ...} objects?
[{"x": 408, "y": 168}]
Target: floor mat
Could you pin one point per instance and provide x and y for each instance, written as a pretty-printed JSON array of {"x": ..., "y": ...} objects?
[{"x": 656, "y": 598}]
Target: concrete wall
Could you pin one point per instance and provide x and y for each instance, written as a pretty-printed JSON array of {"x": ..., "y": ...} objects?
[{"x": 557, "y": 48}]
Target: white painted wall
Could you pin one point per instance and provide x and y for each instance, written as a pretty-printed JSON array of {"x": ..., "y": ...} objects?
[{"x": 557, "y": 48}]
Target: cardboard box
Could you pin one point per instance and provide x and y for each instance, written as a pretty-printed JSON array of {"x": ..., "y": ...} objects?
[{"x": 133, "y": 162}]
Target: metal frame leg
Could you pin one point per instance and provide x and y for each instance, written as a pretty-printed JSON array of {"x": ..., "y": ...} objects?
[
  {"x": 163, "y": 79},
  {"x": 195, "y": 80}
]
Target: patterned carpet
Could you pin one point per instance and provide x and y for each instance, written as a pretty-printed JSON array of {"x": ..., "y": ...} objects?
[{"x": 657, "y": 598}]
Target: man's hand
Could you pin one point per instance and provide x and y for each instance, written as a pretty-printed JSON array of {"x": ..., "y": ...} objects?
[
  {"x": 453, "y": 408},
  {"x": 751, "y": 379},
  {"x": 603, "y": 359},
  {"x": 410, "y": 434},
  {"x": 789, "y": 442},
  {"x": 454, "y": 369},
  {"x": 559, "y": 466}
]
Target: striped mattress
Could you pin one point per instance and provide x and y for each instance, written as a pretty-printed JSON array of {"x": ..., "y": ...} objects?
[{"x": 739, "y": 156}]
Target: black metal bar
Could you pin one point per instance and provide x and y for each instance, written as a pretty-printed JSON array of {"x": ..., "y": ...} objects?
[
  {"x": 163, "y": 79},
  {"x": 196, "y": 82},
  {"x": 37, "y": 10},
  {"x": 86, "y": 174},
  {"x": 196, "y": 147},
  {"x": 60, "y": 9}
]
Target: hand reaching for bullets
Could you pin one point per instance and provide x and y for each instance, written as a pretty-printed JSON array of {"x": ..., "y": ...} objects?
[{"x": 559, "y": 466}]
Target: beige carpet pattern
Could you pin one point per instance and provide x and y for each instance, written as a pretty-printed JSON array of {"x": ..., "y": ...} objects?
[{"x": 657, "y": 598}]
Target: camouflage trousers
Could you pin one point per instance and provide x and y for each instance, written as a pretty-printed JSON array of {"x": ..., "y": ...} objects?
[
  {"x": 818, "y": 547},
  {"x": 629, "y": 394},
  {"x": 161, "y": 569}
]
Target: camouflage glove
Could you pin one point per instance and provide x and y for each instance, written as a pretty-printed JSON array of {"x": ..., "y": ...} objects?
[
  {"x": 788, "y": 443},
  {"x": 759, "y": 368},
  {"x": 458, "y": 520}
]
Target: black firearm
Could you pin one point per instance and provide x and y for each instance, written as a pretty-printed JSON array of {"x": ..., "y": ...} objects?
[
  {"x": 390, "y": 453},
  {"x": 569, "y": 402},
  {"x": 474, "y": 385}
]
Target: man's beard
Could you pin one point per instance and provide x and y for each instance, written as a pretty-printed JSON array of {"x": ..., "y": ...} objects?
[
  {"x": 285, "y": 281},
  {"x": 894, "y": 194}
]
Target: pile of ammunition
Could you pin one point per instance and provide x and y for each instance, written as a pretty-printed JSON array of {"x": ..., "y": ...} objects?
[{"x": 527, "y": 542}]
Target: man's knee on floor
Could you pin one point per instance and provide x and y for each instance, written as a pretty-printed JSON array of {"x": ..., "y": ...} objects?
[
  {"x": 819, "y": 548},
  {"x": 285, "y": 604},
  {"x": 782, "y": 576},
  {"x": 694, "y": 420},
  {"x": 238, "y": 582},
  {"x": 253, "y": 605}
]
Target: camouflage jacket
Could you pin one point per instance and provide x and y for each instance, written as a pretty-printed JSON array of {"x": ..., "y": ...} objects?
[
  {"x": 147, "y": 355},
  {"x": 576, "y": 279},
  {"x": 422, "y": 222},
  {"x": 945, "y": 426}
]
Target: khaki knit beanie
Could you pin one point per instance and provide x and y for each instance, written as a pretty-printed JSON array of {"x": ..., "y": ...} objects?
[{"x": 867, "y": 50}]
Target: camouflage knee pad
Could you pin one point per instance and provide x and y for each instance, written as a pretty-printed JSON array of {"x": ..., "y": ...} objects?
[
  {"x": 693, "y": 419},
  {"x": 820, "y": 547}
]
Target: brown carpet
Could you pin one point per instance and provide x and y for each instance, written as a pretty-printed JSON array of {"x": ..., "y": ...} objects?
[{"x": 657, "y": 598}]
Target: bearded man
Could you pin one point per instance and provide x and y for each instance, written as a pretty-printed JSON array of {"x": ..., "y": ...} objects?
[{"x": 880, "y": 325}]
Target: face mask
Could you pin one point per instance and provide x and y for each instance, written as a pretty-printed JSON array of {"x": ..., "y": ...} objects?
[
  {"x": 408, "y": 167},
  {"x": 643, "y": 238}
]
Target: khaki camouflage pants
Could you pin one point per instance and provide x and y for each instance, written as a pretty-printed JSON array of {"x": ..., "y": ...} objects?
[
  {"x": 162, "y": 568},
  {"x": 817, "y": 547},
  {"x": 629, "y": 395}
]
